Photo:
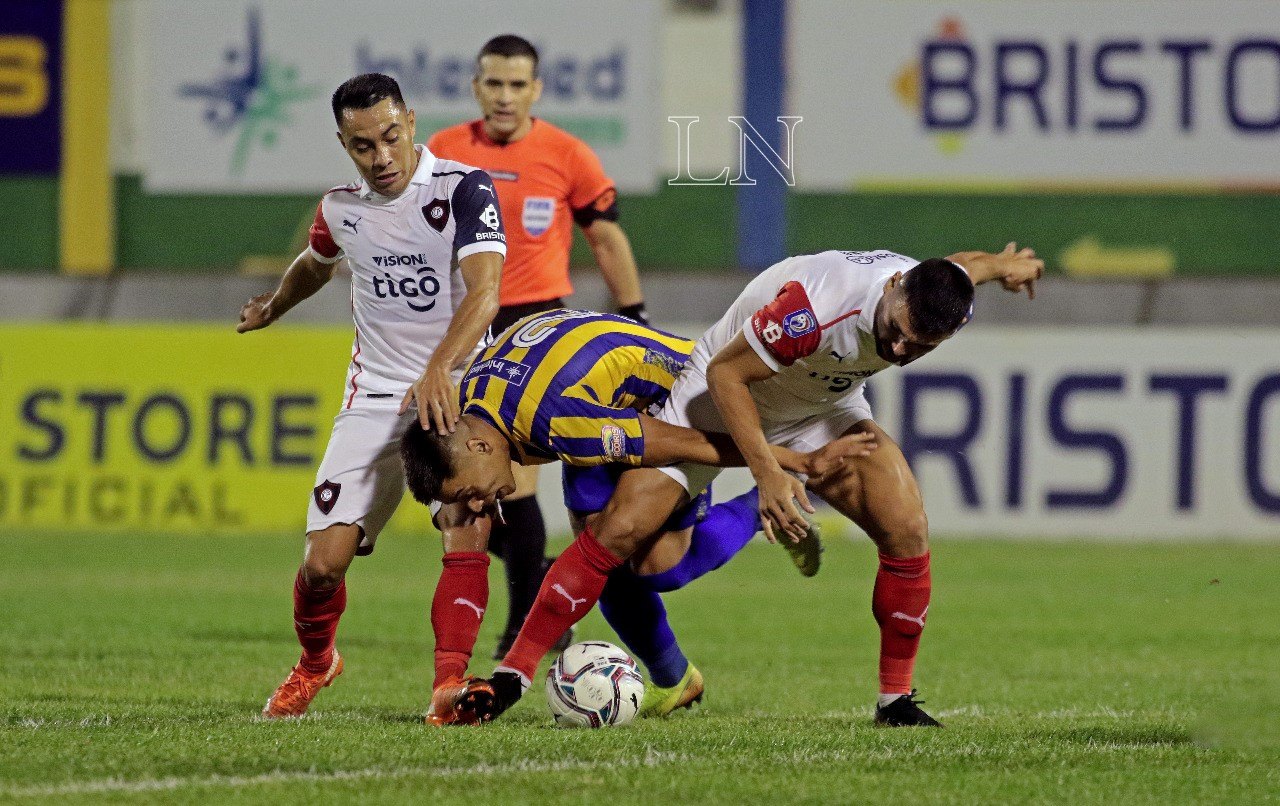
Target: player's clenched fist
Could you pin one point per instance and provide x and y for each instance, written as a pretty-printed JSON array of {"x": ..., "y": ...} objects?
[{"x": 256, "y": 313}]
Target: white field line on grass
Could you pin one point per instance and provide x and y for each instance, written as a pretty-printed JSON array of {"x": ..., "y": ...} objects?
[
  {"x": 650, "y": 759},
  {"x": 109, "y": 785}
]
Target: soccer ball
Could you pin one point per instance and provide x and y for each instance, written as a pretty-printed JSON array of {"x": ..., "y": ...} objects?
[{"x": 594, "y": 684}]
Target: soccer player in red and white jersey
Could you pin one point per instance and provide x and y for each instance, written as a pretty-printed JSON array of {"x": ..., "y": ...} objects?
[
  {"x": 786, "y": 366},
  {"x": 547, "y": 181},
  {"x": 425, "y": 242}
]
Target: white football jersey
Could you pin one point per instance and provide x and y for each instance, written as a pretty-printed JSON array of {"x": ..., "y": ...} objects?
[
  {"x": 405, "y": 281},
  {"x": 809, "y": 318}
]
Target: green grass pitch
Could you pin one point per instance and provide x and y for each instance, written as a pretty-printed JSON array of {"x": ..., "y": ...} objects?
[{"x": 133, "y": 669}]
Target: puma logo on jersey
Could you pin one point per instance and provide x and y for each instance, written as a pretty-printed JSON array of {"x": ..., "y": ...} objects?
[
  {"x": 352, "y": 224},
  {"x": 573, "y": 603},
  {"x": 468, "y": 603},
  {"x": 913, "y": 619},
  {"x": 839, "y": 356},
  {"x": 485, "y": 187}
]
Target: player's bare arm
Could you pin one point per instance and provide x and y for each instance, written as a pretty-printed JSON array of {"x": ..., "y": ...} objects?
[
  {"x": 304, "y": 277},
  {"x": 729, "y": 376},
  {"x": 434, "y": 393},
  {"x": 667, "y": 444},
  {"x": 617, "y": 264},
  {"x": 1015, "y": 268}
]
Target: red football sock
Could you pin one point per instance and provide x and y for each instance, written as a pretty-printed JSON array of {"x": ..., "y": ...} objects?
[
  {"x": 457, "y": 610},
  {"x": 571, "y": 588},
  {"x": 900, "y": 603},
  {"x": 315, "y": 619}
]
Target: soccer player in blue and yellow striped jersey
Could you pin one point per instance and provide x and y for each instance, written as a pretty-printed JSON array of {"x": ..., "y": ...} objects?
[{"x": 570, "y": 385}]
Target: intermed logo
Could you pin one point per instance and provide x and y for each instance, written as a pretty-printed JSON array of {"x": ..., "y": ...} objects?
[{"x": 252, "y": 97}]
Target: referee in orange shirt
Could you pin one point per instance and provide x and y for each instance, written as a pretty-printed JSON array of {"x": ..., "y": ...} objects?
[{"x": 545, "y": 179}]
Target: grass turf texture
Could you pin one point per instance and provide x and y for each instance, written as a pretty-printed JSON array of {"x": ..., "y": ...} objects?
[{"x": 134, "y": 668}]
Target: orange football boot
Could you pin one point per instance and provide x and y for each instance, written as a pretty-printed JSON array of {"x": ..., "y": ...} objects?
[
  {"x": 299, "y": 689},
  {"x": 444, "y": 704}
]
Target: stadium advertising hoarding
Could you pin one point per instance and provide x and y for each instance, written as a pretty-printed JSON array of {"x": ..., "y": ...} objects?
[
  {"x": 31, "y": 87},
  {"x": 1025, "y": 433},
  {"x": 1148, "y": 433},
  {"x": 239, "y": 89},
  {"x": 1027, "y": 94},
  {"x": 178, "y": 428}
]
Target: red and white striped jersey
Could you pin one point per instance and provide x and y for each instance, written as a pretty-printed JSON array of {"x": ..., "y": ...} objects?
[
  {"x": 405, "y": 281},
  {"x": 810, "y": 318}
]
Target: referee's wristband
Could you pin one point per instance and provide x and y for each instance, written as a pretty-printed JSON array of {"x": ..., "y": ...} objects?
[{"x": 635, "y": 312}]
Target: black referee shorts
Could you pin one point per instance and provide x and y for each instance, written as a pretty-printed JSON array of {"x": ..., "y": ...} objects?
[{"x": 508, "y": 315}]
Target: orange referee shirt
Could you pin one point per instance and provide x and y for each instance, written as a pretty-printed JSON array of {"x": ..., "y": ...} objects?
[{"x": 541, "y": 180}]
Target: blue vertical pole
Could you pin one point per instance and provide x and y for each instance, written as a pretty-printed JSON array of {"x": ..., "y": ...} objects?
[{"x": 762, "y": 225}]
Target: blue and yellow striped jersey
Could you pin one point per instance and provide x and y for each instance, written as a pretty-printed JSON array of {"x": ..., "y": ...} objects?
[{"x": 569, "y": 385}]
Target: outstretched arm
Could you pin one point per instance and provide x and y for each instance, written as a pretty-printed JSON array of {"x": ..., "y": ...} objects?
[
  {"x": 666, "y": 444},
  {"x": 304, "y": 277},
  {"x": 1015, "y": 268}
]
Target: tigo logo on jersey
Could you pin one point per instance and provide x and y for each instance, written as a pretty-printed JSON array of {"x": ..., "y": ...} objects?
[
  {"x": 613, "y": 442},
  {"x": 539, "y": 211},
  {"x": 799, "y": 323}
]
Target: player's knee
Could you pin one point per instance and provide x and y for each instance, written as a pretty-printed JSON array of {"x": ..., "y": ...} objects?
[
  {"x": 322, "y": 573},
  {"x": 618, "y": 532},
  {"x": 910, "y": 538}
]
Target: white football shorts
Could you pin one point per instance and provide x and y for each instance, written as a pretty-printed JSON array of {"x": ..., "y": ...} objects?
[
  {"x": 691, "y": 406},
  {"x": 361, "y": 478}
]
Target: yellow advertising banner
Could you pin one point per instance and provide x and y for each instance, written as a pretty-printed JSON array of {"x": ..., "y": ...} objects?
[{"x": 179, "y": 428}]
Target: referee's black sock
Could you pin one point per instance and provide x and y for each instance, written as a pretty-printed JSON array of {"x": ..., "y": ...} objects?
[{"x": 522, "y": 543}]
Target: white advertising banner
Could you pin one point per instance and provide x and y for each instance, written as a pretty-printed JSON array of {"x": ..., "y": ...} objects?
[
  {"x": 1035, "y": 93},
  {"x": 239, "y": 89},
  {"x": 1117, "y": 433}
]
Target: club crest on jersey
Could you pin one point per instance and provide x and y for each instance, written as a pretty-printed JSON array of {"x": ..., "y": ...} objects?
[
  {"x": 798, "y": 323},
  {"x": 539, "y": 211},
  {"x": 613, "y": 442},
  {"x": 436, "y": 214},
  {"x": 326, "y": 495}
]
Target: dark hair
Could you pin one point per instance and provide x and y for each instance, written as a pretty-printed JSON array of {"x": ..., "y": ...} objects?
[
  {"x": 508, "y": 45},
  {"x": 939, "y": 296},
  {"x": 364, "y": 91},
  {"x": 428, "y": 461}
]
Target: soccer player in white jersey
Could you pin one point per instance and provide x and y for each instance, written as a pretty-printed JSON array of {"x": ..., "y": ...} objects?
[
  {"x": 786, "y": 366},
  {"x": 425, "y": 243}
]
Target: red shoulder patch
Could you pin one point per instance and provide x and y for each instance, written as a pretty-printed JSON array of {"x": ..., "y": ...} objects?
[
  {"x": 320, "y": 238},
  {"x": 787, "y": 326}
]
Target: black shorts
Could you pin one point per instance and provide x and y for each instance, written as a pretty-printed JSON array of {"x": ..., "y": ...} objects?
[{"x": 508, "y": 315}]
